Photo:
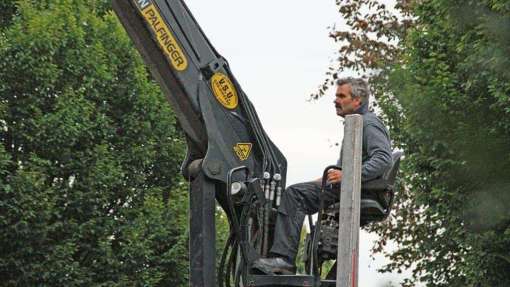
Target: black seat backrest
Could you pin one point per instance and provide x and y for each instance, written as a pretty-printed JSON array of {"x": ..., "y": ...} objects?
[
  {"x": 391, "y": 174},
  {"x": 388, "y": 178}
]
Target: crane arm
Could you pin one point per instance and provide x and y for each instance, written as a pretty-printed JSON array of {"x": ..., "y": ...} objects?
[{"x": 220, "y": 122}]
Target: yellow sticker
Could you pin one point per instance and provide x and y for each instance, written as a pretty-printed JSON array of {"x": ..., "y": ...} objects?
[
  {"x": 224, "y": 91},
  {"x": 243, "y": 150},
  {"x": 166, "y": 39}
]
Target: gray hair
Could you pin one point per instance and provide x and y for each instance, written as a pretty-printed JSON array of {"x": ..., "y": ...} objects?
[{"x": 360, "y": 88}]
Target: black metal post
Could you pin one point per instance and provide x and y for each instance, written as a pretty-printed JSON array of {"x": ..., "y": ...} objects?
[{"x": 202, "y": 232}]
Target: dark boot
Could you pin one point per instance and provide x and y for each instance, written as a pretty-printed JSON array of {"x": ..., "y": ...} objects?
[{"x": 272, "y": 266}]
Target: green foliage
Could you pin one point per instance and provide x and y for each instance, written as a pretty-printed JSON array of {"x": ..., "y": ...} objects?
[
  {"x": 7, "y": 11},
  {"x": 222, "y": 232},
  {"x": 439, "y": 71},
  {"x": 446, "y": 100},
  {"x": 90, "y": 188}
]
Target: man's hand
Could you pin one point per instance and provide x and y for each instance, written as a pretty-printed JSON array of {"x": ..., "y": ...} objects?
[{"x": 334, "y": 176}]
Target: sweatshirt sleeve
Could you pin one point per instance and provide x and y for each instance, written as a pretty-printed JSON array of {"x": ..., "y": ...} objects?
[{"x": 378, "y": 147}]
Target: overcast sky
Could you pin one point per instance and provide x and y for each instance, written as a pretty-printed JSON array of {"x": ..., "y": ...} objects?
[{"x": 279, "y": 52}]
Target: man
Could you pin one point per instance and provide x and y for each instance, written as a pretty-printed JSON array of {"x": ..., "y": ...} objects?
[{"x": 352, "y": 97}]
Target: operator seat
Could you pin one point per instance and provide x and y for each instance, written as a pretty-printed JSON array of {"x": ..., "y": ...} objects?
[
  {"x": 377, "y": 195},
  {"x": 376, "y": 200}
]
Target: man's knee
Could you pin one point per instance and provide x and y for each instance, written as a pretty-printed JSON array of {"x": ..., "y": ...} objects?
[
  {"x": 292, "y": 191},
  {"x": 290, "y": 201}
]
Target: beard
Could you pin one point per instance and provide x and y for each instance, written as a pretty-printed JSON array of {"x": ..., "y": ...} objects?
[
  {"x": 340, "y": 112},
  {"x": 344, "y": 111}
]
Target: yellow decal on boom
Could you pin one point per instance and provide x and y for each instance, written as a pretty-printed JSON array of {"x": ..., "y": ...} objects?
[
  {"x": 164, "y": 36},
  {"x": 224, "y": 91},
  {"x": 243, "y": 150}
]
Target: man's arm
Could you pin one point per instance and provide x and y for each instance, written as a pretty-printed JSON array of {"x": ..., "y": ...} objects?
[{"x": 378, "y": 146}]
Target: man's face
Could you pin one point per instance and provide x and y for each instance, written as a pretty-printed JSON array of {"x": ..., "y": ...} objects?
[{"x": 344, "y": 103}]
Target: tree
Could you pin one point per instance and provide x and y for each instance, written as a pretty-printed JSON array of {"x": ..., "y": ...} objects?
[
  {"x": 437, "y": 69},
  {"x": 7, "y": 9},
  {"x": 90, "y": 188}
]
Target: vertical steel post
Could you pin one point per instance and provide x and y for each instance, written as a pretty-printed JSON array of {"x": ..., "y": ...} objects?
[
  {"x": 202, "y": 233},
  {"x": 350, "y": 198}
]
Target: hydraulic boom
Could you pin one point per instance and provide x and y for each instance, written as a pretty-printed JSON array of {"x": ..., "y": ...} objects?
[
  {"x": 220, "y": 123},
  {"x": 229, "y": 154}
]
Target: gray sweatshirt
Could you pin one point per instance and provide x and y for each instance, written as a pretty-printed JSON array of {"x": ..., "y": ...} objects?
[{"x": 376, "y": 150}]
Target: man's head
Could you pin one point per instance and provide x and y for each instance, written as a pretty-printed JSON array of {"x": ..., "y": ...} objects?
[{"x": 351, "y": 93}]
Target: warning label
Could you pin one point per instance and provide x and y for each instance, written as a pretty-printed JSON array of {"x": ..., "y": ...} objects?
[
  {"x": 164, "y": 36},
  {"x": 243, "y": 150},
  {"x": 224, "y": 91}
]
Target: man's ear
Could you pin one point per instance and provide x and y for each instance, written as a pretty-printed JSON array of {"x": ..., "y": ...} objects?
[{"x": 357, "y": 101}]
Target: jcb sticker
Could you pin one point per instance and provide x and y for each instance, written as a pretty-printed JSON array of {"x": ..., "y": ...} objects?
[
  {"x": 243, "y": 150},
  {"x": 224, "y": 91},
  {"x": 164, "y": 36}
]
